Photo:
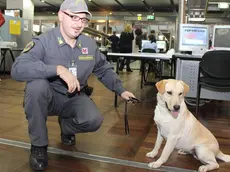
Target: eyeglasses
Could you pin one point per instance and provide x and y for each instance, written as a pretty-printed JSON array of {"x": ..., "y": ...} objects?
[{"x": 77, "y": 18}]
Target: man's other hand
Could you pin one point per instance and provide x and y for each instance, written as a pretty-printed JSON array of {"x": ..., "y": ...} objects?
[{"x": 126, "y": 95}]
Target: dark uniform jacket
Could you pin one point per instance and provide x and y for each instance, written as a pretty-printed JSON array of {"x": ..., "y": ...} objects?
[{"x": 40, "y": 58}]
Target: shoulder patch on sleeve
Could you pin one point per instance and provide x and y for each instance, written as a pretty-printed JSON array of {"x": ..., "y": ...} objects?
[{"x": 28, "y": 47}]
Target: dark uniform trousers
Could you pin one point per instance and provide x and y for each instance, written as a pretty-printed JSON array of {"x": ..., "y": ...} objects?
[{"x": 79, "y": 113}]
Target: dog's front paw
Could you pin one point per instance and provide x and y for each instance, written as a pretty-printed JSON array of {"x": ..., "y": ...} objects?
[
  {"x": 151, "y": 154},
  {"x": 181, "y": 152},
  {"x": 154, "y": 164},
  {"x": 203, "y": 168}
]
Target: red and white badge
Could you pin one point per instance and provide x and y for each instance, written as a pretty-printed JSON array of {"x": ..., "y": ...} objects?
[{"x": 84, "y": 50}]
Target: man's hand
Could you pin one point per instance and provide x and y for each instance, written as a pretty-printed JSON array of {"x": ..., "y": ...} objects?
[
  {"x": 69, "y": 78},
  {"x": 126, "y": 95}
]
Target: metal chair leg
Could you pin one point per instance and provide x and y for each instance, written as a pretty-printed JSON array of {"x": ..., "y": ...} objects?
[{"x": 198, "y": 98}]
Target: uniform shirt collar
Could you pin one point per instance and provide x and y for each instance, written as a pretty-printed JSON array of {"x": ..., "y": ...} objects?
[
  {"x": 59, "y": 38},
  {"x": 78, "y": 42},
  {"x": 61, "y": 41}
]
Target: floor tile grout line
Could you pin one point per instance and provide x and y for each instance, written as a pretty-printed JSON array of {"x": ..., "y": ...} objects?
[{"x": 95, "y": 157}]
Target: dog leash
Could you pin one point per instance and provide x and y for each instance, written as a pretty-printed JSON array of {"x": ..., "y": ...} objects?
[{"x": 134, "y": 101}]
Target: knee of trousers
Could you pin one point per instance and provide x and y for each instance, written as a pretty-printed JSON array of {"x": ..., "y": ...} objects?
[
  {"x": 94, "y": 123},
  {"x": 37, "y": 87},
  {"x": 36, "y": 91}
]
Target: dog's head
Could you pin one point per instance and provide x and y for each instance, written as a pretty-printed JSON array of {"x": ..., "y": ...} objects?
[{"x": 172, "y": 92}]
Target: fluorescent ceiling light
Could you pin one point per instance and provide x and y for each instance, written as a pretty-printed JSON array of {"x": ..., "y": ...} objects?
[{"x": 223, "y": 5}]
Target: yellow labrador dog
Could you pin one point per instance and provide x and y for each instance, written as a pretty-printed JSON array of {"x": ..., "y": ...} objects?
[{"x": 181, "y": 129}]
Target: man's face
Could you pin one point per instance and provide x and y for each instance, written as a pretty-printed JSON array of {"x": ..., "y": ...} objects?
[{"x": 72, "y": 24}]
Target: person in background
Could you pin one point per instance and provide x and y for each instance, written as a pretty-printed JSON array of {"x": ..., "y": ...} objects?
[
  {"x": 210, "y": 44},
  {"x": 56, "y": 66},
  {"x": 115, "y": 42},
  {"x": 145, "y": 36},
  {"x": 152, "y": 45},
  {"x": 2, "y": 21},
  {"x": 126, "y": 43},
  {"x": 139, "y": 37},
  {"x": 152, "y": 32}
]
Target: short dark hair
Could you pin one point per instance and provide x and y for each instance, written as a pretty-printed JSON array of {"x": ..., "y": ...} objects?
[
  {"x": 138, "y": 31},
  {"x": 114, "y": 32},
  {"x": 152, "y": 31},
  {"x": 152, "y": 38}
]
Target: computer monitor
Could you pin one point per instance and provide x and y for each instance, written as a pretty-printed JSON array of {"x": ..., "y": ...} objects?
[
  {"x": 144, "y": 41},
  {"x": 194, "y": 38},
  {"x": 221, "y": 37},
  {"x": 13, "y": 12},
  {"x": 161, "y": 45}
]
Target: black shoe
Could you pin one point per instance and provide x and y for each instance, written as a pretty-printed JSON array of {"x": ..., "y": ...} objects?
[
  {"x": 38, "y": 158},
  {"x": 68, "y": 140},
  {"x": 129, "y": 70},
  {"x": 120, "y": 69}
]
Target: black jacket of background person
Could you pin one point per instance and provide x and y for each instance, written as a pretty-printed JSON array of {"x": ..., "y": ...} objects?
[
  {"x": 126, "y": 42},
  {"x": 114, "y": 39}
]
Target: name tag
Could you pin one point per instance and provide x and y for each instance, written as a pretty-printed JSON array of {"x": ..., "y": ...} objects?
[
  {"x": 85, "y": 57},
  {"x": 73, "y": 68}
]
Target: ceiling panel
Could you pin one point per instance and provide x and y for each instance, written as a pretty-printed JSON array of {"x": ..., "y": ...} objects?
[
  {"x": 103, "y": 5},
  {"x": 38, "y": 3},
  {"x": 54, "y": 2},
  {"x": 103, "y": 2},
  {"x": 214, "y": 12},
  {"x": 219, "y": 1},
  {"x": 2, "y": 3},
  {"x": 158, "y": 2},
  {"x": 109, "y": 5},
  {"x": 134, "y": 3}
]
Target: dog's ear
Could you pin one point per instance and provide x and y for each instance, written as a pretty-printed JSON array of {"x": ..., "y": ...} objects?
[
  {"x": 161, "y": 86},
  {"x": 186, "y": 87}
]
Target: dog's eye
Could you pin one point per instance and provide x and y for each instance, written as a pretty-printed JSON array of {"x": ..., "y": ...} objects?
[
  {"x": 180, "y": 94},
  {"x": 169, "y": 92}
]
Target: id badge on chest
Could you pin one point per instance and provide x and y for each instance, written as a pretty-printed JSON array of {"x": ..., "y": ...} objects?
[{"x": 73, "y": 68}]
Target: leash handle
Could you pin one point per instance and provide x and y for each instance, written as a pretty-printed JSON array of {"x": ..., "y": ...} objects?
[
  {"x": 133, "y": 100},
  {"x": 126, "y": 119}
]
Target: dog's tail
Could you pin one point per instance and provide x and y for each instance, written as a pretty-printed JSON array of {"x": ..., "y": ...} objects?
[{"x": 223, "y": 157}]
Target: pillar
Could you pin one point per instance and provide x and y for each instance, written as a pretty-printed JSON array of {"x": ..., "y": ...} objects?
[{"x": 180, "y": 19}]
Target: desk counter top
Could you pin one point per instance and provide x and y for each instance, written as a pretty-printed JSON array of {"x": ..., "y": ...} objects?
[{"x": 142, "y": 55}]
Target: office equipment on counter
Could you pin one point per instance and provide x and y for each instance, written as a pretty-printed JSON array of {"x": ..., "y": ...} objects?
[
  {"x": 161, "y": 46},
  {"x": 221, "y": 37},
  {"x": 8, "y": 44},
  {"x": 194, "y": 38},
  {"x": 144, "y": 42}
]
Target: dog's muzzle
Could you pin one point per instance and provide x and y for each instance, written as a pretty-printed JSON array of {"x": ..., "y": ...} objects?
[{"x": 174, "y": 112}]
